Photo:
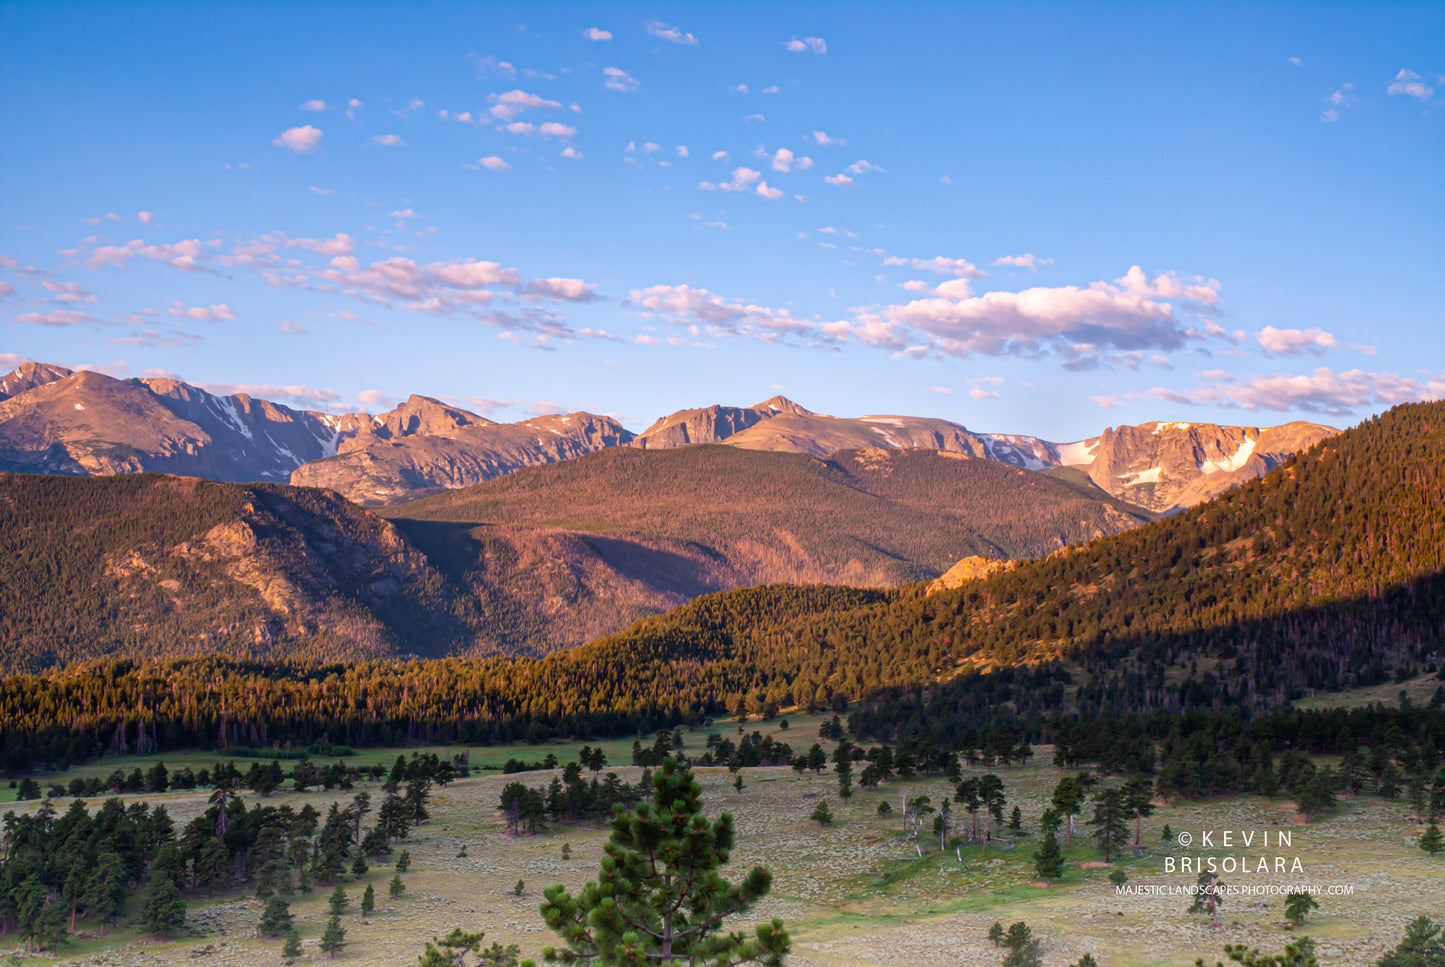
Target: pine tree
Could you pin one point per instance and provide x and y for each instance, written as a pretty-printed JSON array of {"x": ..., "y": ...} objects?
[
  {"x": 1432, "y": 842},
  {"x": 821, "y": 814},
  {"x": 403, "y": 862},
  {"x": 333, "y": 938},
  {"x": 368, "y": 901},
  {"x": 1049, "y": 860},
  {"x": 1298, "y": 905},
  {"x": 358, "y": 866},
  {"x": 1208, "y": 898},
  {"x": 451, "y": 950},
  {"x": 338, "y": 901},
  {"x": 397, "y": 887},
  {"x": 163, "y": 912},
  {"x": 660, "y": 898},
  {"x": 1422, "y": 946},
  {"x": 292, "y": 948},
  {"x": 276, "y": 919},
  {"x": 1110, "y": 821}
]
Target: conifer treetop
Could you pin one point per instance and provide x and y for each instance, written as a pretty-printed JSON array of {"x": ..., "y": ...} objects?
[{"x": 659, "y": 897}]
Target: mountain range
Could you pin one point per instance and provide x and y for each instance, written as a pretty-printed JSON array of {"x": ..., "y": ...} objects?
[{"x": 53, "y": 420}]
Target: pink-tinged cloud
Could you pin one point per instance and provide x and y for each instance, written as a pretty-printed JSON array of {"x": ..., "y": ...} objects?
[
  {"x": 471, "y": 274},
  {"x": 181, "y": 255},
  {"x": 1292, "y": 342},
  {"x": 55, "y": 318},
  {"x": 315, "y": 104},
  {"x": 702, "y": 312},
  {"x": 816, "y": 44},
  {"x": 145, "y": 217},
  {"x": 662, "y": 31},
  {"x": 572, "y": 153},
  {"x": 567, "y": 290},
  {"x": 1322, "y": 391},
  {"x": 388, "y": 141},
  {"x": 493, "y": 163},
  {"x": 619, "y": 80},
  {"x": 1028, "y": 261},
  {"x": 302, "y": 140},
  {"x": 1132, "y": 313},
  {"x": 939, "y": 265},
  {"x": 840, "y": 180},
  {"x": 214, "y": 313},
  {"x": 765, "y": 191},
  {"x": 301, "y": 397},
  {"x": 508, "y": 105},
  {"x": 1409, "y": 84},
  {"x": 821, "y": 139},
  {"x": 597, "y": 34},
  {"x": 6, "y": 290},
  {"x": 67, "y": 291},
  {"x": 338, "y": 244}
]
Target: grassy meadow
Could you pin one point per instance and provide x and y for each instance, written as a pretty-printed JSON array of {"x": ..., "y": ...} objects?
[{"x": 854, "y": 893}]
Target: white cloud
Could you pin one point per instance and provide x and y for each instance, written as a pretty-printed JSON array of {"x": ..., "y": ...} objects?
[
  {"x": 682, "y": 151},
  {"x": 145, "y": 217},
  {"x": 740, "y": 89},
  {"x": 389, "y": 140},
  {"x": 492, "y": 65},
  {"x": 766, "y": 192},
  {"x": 816, "y": 44},
  {"x": 1409, "y": 84},
  {"x": 619, "y": 80},
  {"x": 821, "y": 139},
  {"x": 842, "y": 181},
  {"x": 550, "y": 129},
  {"x": 1342, "y": 98},
  {"x": 294, "y": 328},
  {"x": 302, "y": 140},
  {"x": 597, "y": 33},
  {"x": 571, "y": 152},
  {"x": 352, "y": 107},
  {"x": 1295, "y": 61},
  {"x": 720, "y": 156},
  {"x": 945, "y": 180},
  {"x": 298, "y": 396},
  {"x": 315, "y": 104},
  {"x": 980, "y": 393},
  {"x": 939, "y": 265},
  {"x": 493, "y": 163},
  {"x": 509, "y": 104},
  {"x": 783, "y": 160},
  {"x": 743, "y": 178},
  {"x": 862, "y": 168},
  {"x": 469, "y": 274},
  {"x": 323, "y": 192},
  {"x": 214, "y": 313},
  {"x": 656, "y": 28},
  {"x": 771, "y": 89},
  {"x": 1026, "y": 261},
  {"x": 753, "y": 117},
  {"x": 1292, "y": 342}
]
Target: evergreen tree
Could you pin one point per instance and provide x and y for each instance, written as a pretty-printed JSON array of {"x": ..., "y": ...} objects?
[
  {"x": 1024, "y": 949},
  {"x": 1049, "y": 860},
  {"x": 163, "y": 912},
  {"x": 451, "y": 950},
  {"x": 1110, "y": 822},
  {"x": 1208, "y": 898},
  {"x": 1423, "y": 946},
  {"x": 403, "y": 862},
  {"x": 821, "y": 814},
  {"x": 1298, "y": 905},
  {"x": 660, "y": 897},
  {"x": 333, "y": 939},
  {"x": 292, "y": 948},
  {"x": 368, "y": 901},
  {"x": 397, "y": 887},
  {"x": 276, "y": 919},
  {"x": 338, "y": 901},
  {"x": 1432, "y": 841}
]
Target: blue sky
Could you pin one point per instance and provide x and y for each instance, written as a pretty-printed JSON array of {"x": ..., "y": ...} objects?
[{"x": 1026, "y": 218}]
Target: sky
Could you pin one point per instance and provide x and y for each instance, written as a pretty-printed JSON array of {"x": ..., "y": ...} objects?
[{"x": 1028, "y": 218}]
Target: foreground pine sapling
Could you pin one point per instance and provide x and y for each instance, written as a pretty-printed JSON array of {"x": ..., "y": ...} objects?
[
  {"x": 660, "y": 898},
  {"x": 1298, "y": 905}
]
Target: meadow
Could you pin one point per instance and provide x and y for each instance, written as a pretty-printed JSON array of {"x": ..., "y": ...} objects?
[{"x": 853, "y": 893}]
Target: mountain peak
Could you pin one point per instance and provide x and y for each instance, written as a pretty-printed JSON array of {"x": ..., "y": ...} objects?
[
  {"x": 780, "y": 404},
  {"x": 27, "y": 376}
]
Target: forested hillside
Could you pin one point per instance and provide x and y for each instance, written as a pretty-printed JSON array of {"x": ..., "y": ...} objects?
[{"x": 1325, "y": 573}]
